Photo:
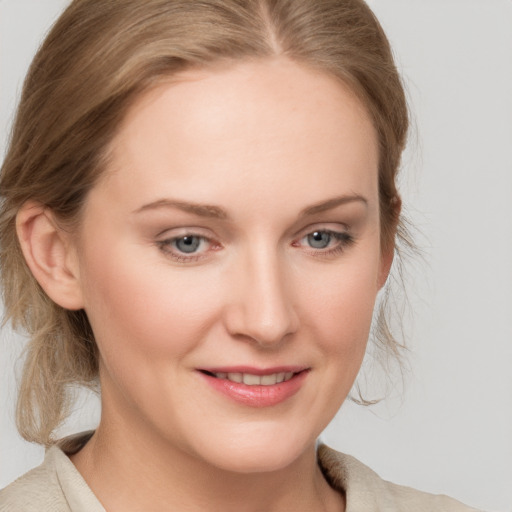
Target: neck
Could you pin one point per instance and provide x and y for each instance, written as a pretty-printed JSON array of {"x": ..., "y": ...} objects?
[{"x": 128, "y": 470}]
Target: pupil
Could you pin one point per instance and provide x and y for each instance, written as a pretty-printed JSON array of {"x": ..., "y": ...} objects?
[
  {"x": 319, "y": 239},
  {"x": 188, "y": 244}
]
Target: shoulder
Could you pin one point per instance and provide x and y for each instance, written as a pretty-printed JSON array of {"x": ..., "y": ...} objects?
[
  {"x": 366, "y": 491},
  {"x": 36, "y": 491},
  {"x": 54, "y": 486}
]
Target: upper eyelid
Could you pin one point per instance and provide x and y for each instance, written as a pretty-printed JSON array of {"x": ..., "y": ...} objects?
[
  {"x": 329, "y": 231},
  {"x": 323, "y": 226},
  {"x": 180, "y": 232},
  {"x": 170, "y": 239},
  {"x": 339, "y": 236}
]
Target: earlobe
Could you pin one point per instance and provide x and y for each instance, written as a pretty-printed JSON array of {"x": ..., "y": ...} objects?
[{"x": 50, "y": 255}]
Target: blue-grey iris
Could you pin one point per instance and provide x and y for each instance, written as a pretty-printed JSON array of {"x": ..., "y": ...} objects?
[
  {"x": 319, "y": 239},
  {"x": 188, "y": 244}
]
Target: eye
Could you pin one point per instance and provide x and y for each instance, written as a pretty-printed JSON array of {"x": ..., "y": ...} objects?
[
  {"x": 187, "y": 248},
  {"x": 325, "y": 242}
]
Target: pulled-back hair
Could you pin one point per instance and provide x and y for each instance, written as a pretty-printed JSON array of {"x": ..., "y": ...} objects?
[{"x": 98, "y": 58}]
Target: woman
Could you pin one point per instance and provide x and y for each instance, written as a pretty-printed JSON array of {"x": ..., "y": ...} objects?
[{"x": 200, "y": 208}]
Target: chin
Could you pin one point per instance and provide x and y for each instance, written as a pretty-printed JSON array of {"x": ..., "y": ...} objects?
[
  {"x": 247, "y": 461},
  {"x": 253, "y": 453}
]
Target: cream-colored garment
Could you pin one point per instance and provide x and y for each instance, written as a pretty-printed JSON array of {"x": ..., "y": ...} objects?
[
  {"x": 57, "y": 486},
  {"x": 54, "y": 486}
]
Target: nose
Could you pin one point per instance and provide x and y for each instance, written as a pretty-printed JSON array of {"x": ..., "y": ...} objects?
[{"x": 260, "y": 307}]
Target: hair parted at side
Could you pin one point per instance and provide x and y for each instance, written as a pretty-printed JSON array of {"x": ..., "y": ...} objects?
[{"x": 96, "y": 60}]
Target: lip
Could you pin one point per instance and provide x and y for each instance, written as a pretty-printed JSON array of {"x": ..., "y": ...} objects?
[
  {"x": 256, "y": 396},
  {"x": 253, "y": 370}
]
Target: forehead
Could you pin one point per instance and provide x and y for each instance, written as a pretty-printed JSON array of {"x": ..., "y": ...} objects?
[{"x": 248, "y": 127}]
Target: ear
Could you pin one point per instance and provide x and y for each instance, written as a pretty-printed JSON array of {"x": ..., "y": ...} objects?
[
  {"x": 388, "y": 247},
  {"x": 386, "y": 260},
  {"x": 50, "y": 254}
]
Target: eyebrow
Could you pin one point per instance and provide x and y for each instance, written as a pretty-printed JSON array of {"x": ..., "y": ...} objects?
[
  {"x": 332, "y": 203},
  {"x": 216, "y": 212},
  {"x": 202, "y": 210}
]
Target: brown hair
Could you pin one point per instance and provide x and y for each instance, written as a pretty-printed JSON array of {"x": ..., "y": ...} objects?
[{"x": 96, "y": 60}]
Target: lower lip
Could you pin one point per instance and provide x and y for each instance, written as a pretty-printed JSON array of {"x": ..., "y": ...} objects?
[{"x": 257, "y": 396}]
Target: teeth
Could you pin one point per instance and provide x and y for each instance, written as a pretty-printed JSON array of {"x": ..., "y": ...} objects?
[
  {"x": 268, "y": 380},
  {"x": 256, "y": 380},
  {"x": 251, "y": 380}
]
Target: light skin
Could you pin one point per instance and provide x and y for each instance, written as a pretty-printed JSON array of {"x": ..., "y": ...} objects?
[{"x": 270, "y": 170}]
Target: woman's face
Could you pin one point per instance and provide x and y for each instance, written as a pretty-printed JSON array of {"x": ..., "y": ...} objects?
[{"x": 234, "y": 237}]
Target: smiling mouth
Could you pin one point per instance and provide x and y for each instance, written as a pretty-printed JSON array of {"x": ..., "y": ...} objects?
[
  {"x": 255, "y": 387},
  {"x": 253, "y": 380}
]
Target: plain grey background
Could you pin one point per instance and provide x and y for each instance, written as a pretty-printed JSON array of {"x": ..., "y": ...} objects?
[{"x": 451, "y": 431}]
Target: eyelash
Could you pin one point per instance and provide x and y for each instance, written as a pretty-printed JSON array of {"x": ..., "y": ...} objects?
[{"x": 343, "y": 239}]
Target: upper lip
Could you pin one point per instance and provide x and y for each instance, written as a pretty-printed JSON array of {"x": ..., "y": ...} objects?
[{"x": 254, "y": 371}]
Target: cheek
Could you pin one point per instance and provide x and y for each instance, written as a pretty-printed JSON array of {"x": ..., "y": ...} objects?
[
  {"x": 341, "y": 306},
  {"x": 337, "y": 318},
  {"x": 145, "y": 308},
  {"x": 340, "y": 310}
]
